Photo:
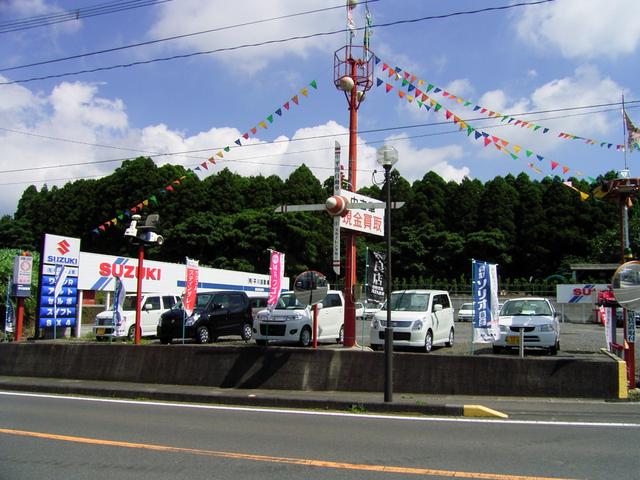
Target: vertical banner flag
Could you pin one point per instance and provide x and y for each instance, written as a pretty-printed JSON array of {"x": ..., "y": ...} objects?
[
  {"x": 485, "y": 302},
  {"x": 191, "y": 288},
  {"x": 8, "y": 311},
  {"x": 377, "y": 279},
  {"x": 276, "y": 273},
  {"x": 118, "y": 301},
  {"x": 633, "y": 141}
]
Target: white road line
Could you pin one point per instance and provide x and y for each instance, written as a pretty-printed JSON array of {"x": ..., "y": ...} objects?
[{"x": 326, "y": 414}]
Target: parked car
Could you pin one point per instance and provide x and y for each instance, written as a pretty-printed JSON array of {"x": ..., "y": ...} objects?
[
  {"x": 153, "y": 305},
  {"x": 215, "y": 314},
  {"x": 370, "y": 308},
  {"x": 257, "y": 302},
  {"x": 359, "y": 307},
  {"x": 292, "y": 322},
  {"x": 420, "y": 318},
  {"x": 170, "y": 324},
  {"x": 538, "y": 320},
  {"x": 465, "y": 312}
]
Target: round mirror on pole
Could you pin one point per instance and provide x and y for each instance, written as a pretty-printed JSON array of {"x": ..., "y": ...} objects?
[
  {"x": 626, "y": 285},
  {"x": 310, "y": 287}
]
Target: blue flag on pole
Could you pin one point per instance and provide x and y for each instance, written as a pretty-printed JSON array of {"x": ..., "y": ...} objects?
[{"x": 485, "y": 302}]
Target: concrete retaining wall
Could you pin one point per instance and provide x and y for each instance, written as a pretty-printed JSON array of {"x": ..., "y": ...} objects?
[{"x": 282, "y": 368}]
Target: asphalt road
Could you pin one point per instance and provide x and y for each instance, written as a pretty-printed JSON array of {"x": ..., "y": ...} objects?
[{"x": 74, "y": 438}]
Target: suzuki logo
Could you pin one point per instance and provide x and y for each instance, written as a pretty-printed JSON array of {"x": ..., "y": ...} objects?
[{"x": 63, "y": 247}]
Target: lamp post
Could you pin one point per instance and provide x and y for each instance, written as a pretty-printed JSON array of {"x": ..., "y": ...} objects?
[{"x": 387, "y": 156}]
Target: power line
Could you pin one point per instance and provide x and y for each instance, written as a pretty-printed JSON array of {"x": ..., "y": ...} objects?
[
  {"x": 75, "y": 15},
  {"x": 176, "y": 37},
  {"x": 629, "y": 103},
  {"x": 274, "y": 42},
  {"x": 247, "y": 160}
]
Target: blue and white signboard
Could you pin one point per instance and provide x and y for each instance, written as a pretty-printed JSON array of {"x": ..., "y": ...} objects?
[
  {"x": 485, "y": 302},
  {"x": 58, "y": 302}
]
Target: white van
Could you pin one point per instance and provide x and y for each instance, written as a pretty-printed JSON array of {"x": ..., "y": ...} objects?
[
  {"x": 420, "y": 318},
  {"x": 293, "y": 322},
  {"x": 153, "y": 305}
]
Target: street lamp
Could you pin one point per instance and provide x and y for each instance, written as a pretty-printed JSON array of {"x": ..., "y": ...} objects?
[{"x": 387, "y": 156}]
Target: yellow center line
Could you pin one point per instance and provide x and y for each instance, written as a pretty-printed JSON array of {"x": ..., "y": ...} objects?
[{"x": 271, "y": 459}]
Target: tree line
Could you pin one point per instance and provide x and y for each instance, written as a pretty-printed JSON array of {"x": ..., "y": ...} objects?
[{"x": 531, "y": 228}]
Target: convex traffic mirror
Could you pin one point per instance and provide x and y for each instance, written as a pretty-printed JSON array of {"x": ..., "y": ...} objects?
[
  {"x": 626, "y": 285},
  {"x": 310, "y": 287}
]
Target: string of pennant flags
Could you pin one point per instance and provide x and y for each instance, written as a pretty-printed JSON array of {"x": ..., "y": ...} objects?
[
  {"x": 414, "y": 83},
  {"x": 424, "y": 100},
  {"x": 171, "y": 187}
]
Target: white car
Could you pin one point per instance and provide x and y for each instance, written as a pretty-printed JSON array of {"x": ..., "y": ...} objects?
[
  {"x": 153, "y": 305},
  {"x": 465, "y": 312},
  {"x": 292, "y": 322},
  {"x": 420, "y": 318},
  {"x": 537, "y": 319}
]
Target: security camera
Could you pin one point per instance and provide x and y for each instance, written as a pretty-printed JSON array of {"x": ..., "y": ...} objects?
[
  {"x": 132, "y": 231},
  {"x": 153, "y": 237}
]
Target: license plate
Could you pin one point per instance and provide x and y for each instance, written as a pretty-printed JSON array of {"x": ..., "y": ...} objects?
[
  {"x": 513, "y": 340},
  {"x": 100, "y": 331}
]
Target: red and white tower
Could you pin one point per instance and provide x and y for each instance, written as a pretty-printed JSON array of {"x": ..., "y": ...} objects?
[{"x": 353, "y": 74}]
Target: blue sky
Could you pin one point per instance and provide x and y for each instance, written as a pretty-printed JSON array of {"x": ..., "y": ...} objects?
[{"x": 556, "y": 55}]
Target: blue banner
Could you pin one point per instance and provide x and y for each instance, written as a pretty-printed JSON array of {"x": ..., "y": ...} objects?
[{"x": 485, "y": 302}]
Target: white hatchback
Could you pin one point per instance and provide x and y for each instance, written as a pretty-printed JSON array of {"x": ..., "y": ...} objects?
[
  {"x": 537, "y": 320},
  {"x": 292, "y": 322},
  {"x": 420, "y": 318}
]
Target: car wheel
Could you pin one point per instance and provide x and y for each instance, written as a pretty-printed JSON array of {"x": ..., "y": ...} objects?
[
  {"x": 100, "y": 339},
  {"x": 496, "y": 349},
  {"x": 375, "y": 347},
  {"x": 305, "y": 337},
  {"x": 340, "y": 338},
  {"x": 262, "y": 343},
  {"x": 132, "y": 333},
  {"x": 202, "y": 335},
  {"x": 165, "y": 340},
  {"x": 247, "y": 332},
  {"x": 428, "y": 341},
  {"x": 451, "y": 338},
  {"x": 554, "y": 350}
]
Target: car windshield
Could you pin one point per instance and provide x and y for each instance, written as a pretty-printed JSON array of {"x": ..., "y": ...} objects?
[
  {"x": 467, "y": 306},
  {"x": 409, "y": 302},
  {"x": 288, "y": 301},
  {"x": 525, "y": 307}
]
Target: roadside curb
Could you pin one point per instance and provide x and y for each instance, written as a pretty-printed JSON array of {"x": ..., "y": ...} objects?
[
  {"x": 482, "y": 411},
  {"x": 172, "y": 393}
]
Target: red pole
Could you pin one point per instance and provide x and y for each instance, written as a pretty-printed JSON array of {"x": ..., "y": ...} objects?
[
  {"x": 139, "y": 293},
  {"x": 20, "y": 319},
  {"x": 350, "y": 270},
  {"x": 315, "y": 326}
]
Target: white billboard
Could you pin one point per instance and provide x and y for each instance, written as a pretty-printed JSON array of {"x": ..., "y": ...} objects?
[
  {"x": 363, "y": 220},
  {"x": 98, "y": 272},
  {"x": 580, "y": 293}
]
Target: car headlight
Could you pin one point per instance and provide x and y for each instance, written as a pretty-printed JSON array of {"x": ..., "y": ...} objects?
[
  {"x": 375, "y": 324},
  {"x": 503, "y": 329},
  {"x": 417, "y": 325},
  {"x": 192, "y": 320},
  {"x": 547, "y": 328}
]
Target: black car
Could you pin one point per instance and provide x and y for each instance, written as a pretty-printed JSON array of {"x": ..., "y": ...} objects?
[{"x": 216, "y": 314}]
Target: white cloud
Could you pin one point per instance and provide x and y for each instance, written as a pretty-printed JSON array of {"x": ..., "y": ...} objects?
[
  {"x": 585, "y": 29},
  {"x": 71, "y": 111},
  {"x": 176, "y": 18},
  {"x": 414, "y": 162}
]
